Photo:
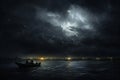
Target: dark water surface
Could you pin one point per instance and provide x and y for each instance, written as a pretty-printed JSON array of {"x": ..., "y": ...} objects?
[{"x": 63, "y": 70}]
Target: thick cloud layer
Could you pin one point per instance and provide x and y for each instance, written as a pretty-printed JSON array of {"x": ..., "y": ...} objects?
[
  {"x": 76, "y": 21},
  {"x": 60, "y": 26}
]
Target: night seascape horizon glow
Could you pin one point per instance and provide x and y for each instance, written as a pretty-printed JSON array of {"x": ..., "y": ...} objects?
[{"x": 59, "y": 40}]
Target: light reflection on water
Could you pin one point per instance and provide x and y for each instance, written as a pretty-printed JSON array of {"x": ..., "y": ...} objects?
[
  {"x": 66, "y": 68},
  {"x": 62, "y": 64},
  {"x": 91, "y": 70}
]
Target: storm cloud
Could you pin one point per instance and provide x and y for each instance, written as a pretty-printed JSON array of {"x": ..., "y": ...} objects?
[{"x": 60, "y": 27}]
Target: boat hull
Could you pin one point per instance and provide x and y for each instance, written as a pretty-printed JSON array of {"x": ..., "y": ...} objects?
[{"x": 21, "y": 65}]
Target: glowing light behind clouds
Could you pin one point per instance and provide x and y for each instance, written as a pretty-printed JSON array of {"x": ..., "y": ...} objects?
[{"x": 75, "y": 19}]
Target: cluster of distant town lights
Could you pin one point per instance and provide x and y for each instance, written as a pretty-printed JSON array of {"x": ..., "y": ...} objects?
[{"x": 69, "y": 58}]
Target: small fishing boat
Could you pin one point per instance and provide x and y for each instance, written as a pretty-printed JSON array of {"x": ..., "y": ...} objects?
[{"x": 27, "y": 64}]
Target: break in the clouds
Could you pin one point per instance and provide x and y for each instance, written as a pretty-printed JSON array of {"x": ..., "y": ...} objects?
[
  {"x": 60, "y": 25},
  {"x": 76, "y": 21}
]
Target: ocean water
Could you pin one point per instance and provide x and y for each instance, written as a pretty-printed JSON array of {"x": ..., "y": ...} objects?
[{"x": 63, "y": 70}]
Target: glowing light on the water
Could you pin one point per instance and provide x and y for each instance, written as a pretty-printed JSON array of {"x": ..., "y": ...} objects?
[
  {"x": 69, "y": 58},
  {"x": 42, "y": 58}
]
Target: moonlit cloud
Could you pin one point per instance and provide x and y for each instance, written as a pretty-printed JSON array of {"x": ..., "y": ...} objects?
[
  {"x": 60, "y": 27},
  {"x": 75, "y": 18}
]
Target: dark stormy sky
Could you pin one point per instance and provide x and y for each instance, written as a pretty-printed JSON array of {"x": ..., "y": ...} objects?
[{"x": 60, "y": 27}]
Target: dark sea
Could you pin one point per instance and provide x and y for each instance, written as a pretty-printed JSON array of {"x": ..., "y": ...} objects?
[{"x": 63, "y": 70}]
